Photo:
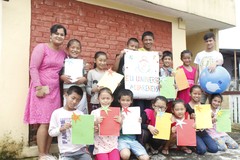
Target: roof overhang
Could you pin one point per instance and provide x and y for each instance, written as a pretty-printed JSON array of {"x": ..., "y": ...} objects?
[{"x": 194, "y": 23}]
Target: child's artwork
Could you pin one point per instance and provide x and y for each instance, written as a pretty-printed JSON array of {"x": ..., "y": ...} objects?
[
  {"x": 110, "y": 80},
  {"x": 181, "y": 79},
  {"x": 163, "y": 125},
  {"x": 131, "y": 122},
  {"x": 203, "y": 117},
  {"x": 168, "y": 87},
  {"x": 223, "y": 123},
  {"x": 186, "y": 133},
  {"x": 109, "y": 127},
  {"x": 142, "y": 73},
  {"x": 73, "y": 68},
  {"x": 82, "y": 129}
]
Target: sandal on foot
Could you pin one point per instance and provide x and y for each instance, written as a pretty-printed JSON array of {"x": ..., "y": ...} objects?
[
  {"x": 165, "y": 151},
  {"x": 186, "y": 150}
]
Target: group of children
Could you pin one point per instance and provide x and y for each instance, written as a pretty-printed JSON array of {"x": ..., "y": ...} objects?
[{"x": 114, "y": 147}]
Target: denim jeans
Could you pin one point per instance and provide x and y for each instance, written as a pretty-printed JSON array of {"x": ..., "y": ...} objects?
[{"x": 205, "y": 143}]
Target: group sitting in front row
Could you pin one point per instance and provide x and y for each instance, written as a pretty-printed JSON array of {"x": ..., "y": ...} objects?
[{"x": 114, "y": 147}]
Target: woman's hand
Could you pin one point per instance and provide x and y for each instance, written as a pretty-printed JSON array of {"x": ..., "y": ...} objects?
[
  {"x": 66, "y": 79},
  {"x": 39, "y": 92},
  {"x": 65, "y": 127},
  {"x": 81, "y": 80},
  {"x": 153, "y": 130}
]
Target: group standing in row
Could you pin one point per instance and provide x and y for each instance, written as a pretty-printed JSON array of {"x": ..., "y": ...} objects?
[{"x": 44, "y": 97}]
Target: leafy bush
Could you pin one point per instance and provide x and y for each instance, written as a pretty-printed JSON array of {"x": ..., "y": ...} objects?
[{"x": 9, "y": 148}]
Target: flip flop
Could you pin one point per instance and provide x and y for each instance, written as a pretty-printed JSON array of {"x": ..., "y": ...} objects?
[
  {"x": 186, "y": 150},
  {"x": 165, "y": 151}
]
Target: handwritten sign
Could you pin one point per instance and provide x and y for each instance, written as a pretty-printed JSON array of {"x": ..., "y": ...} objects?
[{"x": 142, "y": 74}]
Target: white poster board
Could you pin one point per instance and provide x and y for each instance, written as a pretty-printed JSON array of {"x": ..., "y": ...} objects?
[
  {"x": 73, "y": 68},
  {"x": 131, "y": 121},
  {"x": 142, "y": 74}
]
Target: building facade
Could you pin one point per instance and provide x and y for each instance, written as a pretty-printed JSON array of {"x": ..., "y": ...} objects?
[{"x": 99, "y": 25}]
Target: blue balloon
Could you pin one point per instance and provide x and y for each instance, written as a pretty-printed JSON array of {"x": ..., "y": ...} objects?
[{"x": 215, "y": 82}]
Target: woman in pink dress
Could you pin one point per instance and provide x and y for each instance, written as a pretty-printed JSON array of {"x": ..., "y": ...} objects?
[
  {"x": 190, "y": 72},
  {"x": 44, "y": 94}
]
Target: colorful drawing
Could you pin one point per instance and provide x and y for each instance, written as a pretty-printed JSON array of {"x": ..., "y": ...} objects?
[
  {"x": 186, "y": 133},
  {"x": 142, "y": 73},
  {"x": 203, "y": 116},
  {"x": 223, "y": 123},
  {"x": 163, "y": 125},
  {"x": 109, "y": 126},
  {"x": 131, "y": 122},
  {"x": 181, "y": 80},
  {"x": 110, "y": 80},
  {"x": 82, "y": 129},
  {"x": 168, "y": 87},
  {"x": 73, "y": 68}
]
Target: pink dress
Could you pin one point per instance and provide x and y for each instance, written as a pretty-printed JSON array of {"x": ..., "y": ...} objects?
[
  {"x": 185, "y": 94},
  {"x": 45, "y": 65}
]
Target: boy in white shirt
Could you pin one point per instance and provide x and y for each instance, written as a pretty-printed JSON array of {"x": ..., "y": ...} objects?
[
  {"x": 208, "y": 58},
  {"x": 60, "y": 126}
]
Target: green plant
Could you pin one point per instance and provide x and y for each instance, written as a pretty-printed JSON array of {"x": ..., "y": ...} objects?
[{"x": 9, "y": 148}]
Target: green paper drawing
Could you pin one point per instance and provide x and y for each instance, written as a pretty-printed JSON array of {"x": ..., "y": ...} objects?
[
  {"x": 223, "y": 123},
  {"x": 167, "y": 87},
  {"x": 83, "y": 130}
]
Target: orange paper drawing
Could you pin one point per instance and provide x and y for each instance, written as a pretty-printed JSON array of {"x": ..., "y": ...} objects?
[{"x": 181, "y": 79}]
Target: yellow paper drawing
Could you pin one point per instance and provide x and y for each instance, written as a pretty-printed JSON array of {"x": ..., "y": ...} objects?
[
  {"x": 163, "y": 125},
  {"x": 203, "y": 116},
  {"x": 110, "y": 80}
]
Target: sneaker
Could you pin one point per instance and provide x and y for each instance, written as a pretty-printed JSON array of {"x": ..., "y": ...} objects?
[{"x": 47, "y": 157}]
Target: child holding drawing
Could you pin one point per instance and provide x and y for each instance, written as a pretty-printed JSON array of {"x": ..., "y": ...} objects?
[
  {"x": 148, "y": 124},
  {"x": 179, "y": 114},
  {"x": 73, "y": 52},
  {"x": 166, "y": 71},
  {"x": 190, "y": 72},
  {"x": 128, "y": 143},
  {"x": 93, "y": 77},
  {"x": 204, "y": 141},
  {"x": 132, "y": 44},
  {"x": 223, "y": 140},
  {"x": 105, "y": 147},
  {"x": 60, "y": 126}
]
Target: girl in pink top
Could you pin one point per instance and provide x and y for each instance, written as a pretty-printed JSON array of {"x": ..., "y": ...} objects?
[
  {"x": 223, "y": 140},
  {"x": 105, "y": 147},
  {"x": 44, "y": 93},
  {"x": 190, "y": 72}
]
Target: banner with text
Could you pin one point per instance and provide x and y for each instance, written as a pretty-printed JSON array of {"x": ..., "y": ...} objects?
[{"x": 142, "y": 74}]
